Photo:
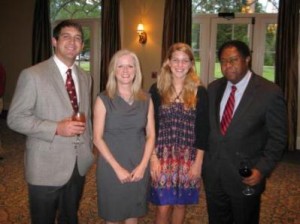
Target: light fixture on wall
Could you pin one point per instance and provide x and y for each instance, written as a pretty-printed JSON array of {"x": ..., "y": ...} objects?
[{"x": 142, "y": 34}]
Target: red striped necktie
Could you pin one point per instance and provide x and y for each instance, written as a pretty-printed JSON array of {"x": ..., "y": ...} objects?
[
  {"x": 71, "y": 90},
  {"x": 228, "y": 111}
]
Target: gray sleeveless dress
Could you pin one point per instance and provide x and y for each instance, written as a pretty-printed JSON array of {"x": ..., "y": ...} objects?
[{"x": 124, "y": 133}]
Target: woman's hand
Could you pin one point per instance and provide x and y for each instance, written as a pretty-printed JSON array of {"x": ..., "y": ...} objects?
[
  {"x": 196, "y": 168},
  {"x": 195, "y": 171},
  {"x": 155, "y": 167},
  {"x": 123, "y": 175},
  {"x": 137, "y": 174}
]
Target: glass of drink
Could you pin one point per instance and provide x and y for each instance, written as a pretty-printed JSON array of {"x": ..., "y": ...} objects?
[
  {"x": 78, "y": 116},
  {"x": 245, "y": 171}
]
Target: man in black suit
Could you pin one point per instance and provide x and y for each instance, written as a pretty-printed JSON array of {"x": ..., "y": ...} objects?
[{"x": 255, "y": 131}]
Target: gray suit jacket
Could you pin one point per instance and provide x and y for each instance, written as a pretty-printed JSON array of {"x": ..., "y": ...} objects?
[
  {"x": 258, "y": 131},
  {"x": 39, "y": 102}
]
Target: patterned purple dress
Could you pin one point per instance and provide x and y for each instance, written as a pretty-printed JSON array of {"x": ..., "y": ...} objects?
[{"x": 176, "y": 152}]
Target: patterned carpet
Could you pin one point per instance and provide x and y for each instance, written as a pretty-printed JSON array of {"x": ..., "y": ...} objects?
[{"x": 280, "y": 202}]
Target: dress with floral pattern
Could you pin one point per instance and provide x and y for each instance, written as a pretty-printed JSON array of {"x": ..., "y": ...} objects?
[{"x": 176, "y": 152}]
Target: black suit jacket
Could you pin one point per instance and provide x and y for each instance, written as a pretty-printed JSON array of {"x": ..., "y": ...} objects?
[{"x": 258, "y": 131}]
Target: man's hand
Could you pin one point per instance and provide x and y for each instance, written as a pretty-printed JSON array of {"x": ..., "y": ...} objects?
[
  {"x": 254, "y": 179},
  {"x": 69, "y": 128}
]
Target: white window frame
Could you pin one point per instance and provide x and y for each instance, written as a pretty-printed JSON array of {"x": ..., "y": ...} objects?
[{"x": 207, "y": 43}]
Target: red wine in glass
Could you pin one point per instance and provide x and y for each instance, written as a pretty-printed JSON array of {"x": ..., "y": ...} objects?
[
  {"x": 78, "y": 116},
  {"x": 245, "y": 171}
]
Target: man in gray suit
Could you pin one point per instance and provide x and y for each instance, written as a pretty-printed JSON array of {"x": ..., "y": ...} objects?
[
  {"x": 254, "y": 129},
  {"x": 41, "y": 109}
]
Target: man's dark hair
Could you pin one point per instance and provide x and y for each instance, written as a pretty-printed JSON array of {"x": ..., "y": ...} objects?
[
  {"x": 241, "y": 47},
  {"x": 66, "y": 23}
]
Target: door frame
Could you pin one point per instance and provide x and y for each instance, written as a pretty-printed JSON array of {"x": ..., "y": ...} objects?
[
  {"x": 95, "y": 50},
  {"x": 208, "y": 23}
]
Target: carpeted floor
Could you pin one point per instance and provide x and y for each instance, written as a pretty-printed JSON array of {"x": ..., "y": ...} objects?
[{"x": 280, "y": 202}]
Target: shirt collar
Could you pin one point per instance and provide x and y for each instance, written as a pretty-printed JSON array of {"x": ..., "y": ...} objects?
[
  {"x": 61, "y": 66},
  {"x": 243, "y": 82}
]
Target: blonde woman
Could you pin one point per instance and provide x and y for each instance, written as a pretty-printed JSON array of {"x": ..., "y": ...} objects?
[
  {"x": 181, "y": 119},
  {"x": 124, "y": 135}
]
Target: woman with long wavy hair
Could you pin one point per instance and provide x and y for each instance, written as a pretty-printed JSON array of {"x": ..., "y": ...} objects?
[{"x": 181, "y": 120}]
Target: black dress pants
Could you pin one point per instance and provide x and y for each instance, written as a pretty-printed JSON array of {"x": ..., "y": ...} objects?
[
  {"x": 226, "y": 209},
  {"x": 48, "y": 202}
]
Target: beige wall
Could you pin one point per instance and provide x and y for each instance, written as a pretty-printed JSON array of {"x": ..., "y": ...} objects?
[
  {"x": 16, "y": 30},
  {"x": 150, "y": 12},
  {"x": 15, "y": 41}
]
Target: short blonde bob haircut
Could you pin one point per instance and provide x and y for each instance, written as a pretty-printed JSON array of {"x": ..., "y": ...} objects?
[
  {"x": 191, "y": 82},
  {"x": 111, "y": 85}
]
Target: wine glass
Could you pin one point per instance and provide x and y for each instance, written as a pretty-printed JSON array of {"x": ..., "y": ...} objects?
[
  {"x": 245, "y": 171},
  {"x": 78, "y": 116}
]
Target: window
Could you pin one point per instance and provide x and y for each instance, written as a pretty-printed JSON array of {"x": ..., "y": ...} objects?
[
  {"x": 257, "y": 29},
  {"x": 243, "y": 6},
  {"x": 74, "y": 9}
]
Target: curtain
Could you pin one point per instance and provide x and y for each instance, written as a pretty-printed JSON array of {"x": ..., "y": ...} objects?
[
  {"x": 177, "y": 24},
  {"x": 110, "y": 36},
  {"x": 41, "y": 34},
  {"x": 286, "y": 67}
]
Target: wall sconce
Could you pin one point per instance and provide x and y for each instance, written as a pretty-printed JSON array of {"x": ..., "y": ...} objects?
[{"x": 142, "y": 34}]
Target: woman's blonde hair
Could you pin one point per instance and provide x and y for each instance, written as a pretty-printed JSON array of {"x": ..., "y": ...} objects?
[
  {"x": 111, "y": 85},
  {"x": 191, "y": 82}
]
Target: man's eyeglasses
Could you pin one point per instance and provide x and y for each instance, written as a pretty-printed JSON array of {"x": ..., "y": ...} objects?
[{"x": 231, "y": 61}]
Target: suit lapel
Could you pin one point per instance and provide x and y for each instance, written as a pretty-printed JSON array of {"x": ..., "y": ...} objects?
[
  {"x": 81, "y": 87},
  {"x": 219, "y": 96},
  {"x": 59, "y": 84}
]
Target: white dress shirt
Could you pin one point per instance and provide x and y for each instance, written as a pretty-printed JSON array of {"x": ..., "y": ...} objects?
[
  {"x": 241, "y": 86},
  {"x": 63, "y": 71}
]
